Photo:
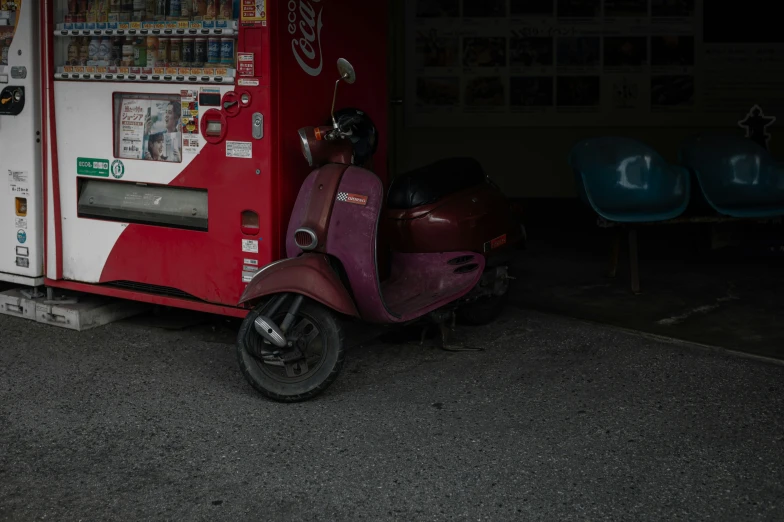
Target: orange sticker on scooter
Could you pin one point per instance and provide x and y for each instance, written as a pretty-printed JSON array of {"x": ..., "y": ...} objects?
[
  {"x": 495, "y": 243},
  {"x": 356, "y": 199}
]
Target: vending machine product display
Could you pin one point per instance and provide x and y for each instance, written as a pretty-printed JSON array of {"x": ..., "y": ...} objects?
[
  {"x": 171, "y": 150},
  {"x": 21, "y": 188}
]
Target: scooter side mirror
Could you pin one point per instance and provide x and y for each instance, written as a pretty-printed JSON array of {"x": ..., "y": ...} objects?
[{"x": 348, "y": 75}]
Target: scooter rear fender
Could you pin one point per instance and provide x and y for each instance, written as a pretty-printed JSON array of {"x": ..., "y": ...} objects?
[{"x": 310, "y": 275}]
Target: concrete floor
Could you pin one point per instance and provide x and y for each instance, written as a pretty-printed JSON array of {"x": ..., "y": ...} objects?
[
  {"x": 557, "y": 420},
  {"x": 732, "y": 298}
]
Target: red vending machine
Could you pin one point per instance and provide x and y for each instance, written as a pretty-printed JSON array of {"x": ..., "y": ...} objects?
[{"x": 171, "y": 150}]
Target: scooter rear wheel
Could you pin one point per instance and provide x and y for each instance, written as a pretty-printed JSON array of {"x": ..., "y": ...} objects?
[{"x": 317, "y": 332}]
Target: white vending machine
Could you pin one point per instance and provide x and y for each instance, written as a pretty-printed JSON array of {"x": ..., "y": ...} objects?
[{"x": 21, "y": 183}]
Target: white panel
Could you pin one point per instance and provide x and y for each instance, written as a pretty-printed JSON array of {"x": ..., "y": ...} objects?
[
  {"x": 20, "y": 152},
  {"x": 85, "y": 129}
]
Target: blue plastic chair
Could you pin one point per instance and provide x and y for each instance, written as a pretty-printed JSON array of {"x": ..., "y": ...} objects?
[
  {"x": 626, "y": 181},
  {"x": 738, "y": 177}
]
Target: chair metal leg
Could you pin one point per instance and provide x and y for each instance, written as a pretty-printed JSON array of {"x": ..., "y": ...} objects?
[
  {"x": 615, "y": 254},
  {"x": 634, "y": 262}
]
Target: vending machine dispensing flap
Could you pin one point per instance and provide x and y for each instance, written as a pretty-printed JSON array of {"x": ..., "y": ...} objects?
[
  {"x": 12, "y": 100},
  {"x": 156, "y": 205}
]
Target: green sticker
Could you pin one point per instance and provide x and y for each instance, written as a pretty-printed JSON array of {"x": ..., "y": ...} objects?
[
  {"x": 92, "y": 167},
  {"x": 118, "y": 169}
]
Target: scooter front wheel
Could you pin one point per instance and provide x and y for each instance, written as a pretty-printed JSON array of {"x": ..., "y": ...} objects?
[{"x": 306, "y": 368}]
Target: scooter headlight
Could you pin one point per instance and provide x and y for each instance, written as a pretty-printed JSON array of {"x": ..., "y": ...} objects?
[{"x": 305, "y": 145}]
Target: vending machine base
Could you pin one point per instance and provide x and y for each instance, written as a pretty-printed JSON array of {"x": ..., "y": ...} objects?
[{"x": 71, "y": 310}]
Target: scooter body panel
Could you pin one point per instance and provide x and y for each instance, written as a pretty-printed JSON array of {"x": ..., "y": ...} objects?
[
  {"x": 477, "y": 219},
  {"x": 310, "y": 275},
  {"x": 313, "y": 206},
  {"x": 419, "y": 283}
]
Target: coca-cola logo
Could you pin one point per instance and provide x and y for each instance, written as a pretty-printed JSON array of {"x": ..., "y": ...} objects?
[{"x": 306, "y": 44}]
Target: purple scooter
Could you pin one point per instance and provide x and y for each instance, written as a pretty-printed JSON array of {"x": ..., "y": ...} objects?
[{"x": 447, "y": 229}]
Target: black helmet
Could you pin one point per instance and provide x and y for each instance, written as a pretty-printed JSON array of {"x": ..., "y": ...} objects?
[{"x": 361, "y": 131}]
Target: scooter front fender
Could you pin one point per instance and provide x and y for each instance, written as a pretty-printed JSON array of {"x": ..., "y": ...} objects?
[{"x": 309, "y": 275}]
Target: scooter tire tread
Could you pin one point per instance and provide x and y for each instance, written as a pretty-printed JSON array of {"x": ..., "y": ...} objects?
[{"x": 311, "y": 309}]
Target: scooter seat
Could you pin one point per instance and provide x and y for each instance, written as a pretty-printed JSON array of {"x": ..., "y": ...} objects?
[{"x": 426, "y": 185}]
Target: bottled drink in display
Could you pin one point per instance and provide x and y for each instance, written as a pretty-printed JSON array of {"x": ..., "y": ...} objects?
[
  {"x": 151, "y": 9},
  {"x": 185, "y": 9},
  {"x": 152, "y": 51},
  {"x": 90, "y": 12},
  {"x": 212, "y": 9},
  {"x": 127, "y": 52},
  {"x": 84, "y": 51},
  {"x": 175, "y": 9},
  {"x": 198, "y": 9},
  {"x": 73, "y": 51},
  {"x": 225, "y": 10},
  {"x": 138, "y": 10},
  {"x": 140, "y": 53},
  {"x": 117, "y": 52},
  {"x": 105, "y": 49},
  {"x": 92, "y": 49},
  {"x": 161, "y": 10}
]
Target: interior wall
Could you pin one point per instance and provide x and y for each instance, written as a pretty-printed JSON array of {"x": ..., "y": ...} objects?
[{"x": 527, "y": 162}]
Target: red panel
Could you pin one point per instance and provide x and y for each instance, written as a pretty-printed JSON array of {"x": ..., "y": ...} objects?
[
  {"x": 305, "y": 68},
  {"x": 208, "y": 265}
]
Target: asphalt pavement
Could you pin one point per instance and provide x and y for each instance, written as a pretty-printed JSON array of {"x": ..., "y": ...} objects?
[{"x": 556, "y": 420}]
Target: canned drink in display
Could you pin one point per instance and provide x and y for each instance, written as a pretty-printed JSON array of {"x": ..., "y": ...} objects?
[
  {"x": 227, "y": 52},
  {"x": 175, "y": 51},
  {"x": 175, "y": 9},
  {"x": 213, "y": 51},
  {"x": 163, "y": 52},
  {"x": 152, "y": 51},
  {"x": 199, "y": 52},
  {"x": 187, "y": 52}
]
